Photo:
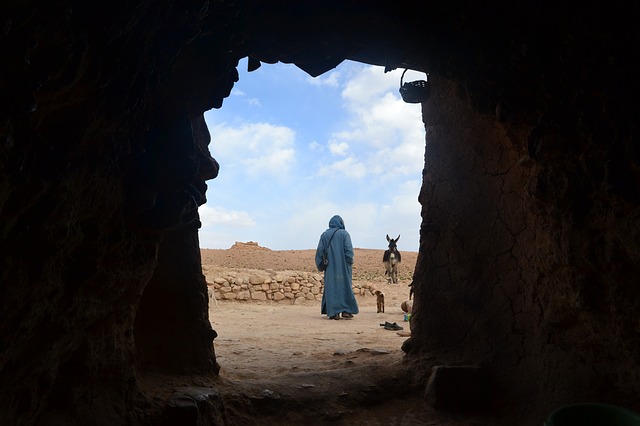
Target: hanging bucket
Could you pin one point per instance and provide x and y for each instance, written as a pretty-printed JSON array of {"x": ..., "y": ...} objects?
[
  {"x": 593, "y": 415},
  {"x": 414, "y": 92}
]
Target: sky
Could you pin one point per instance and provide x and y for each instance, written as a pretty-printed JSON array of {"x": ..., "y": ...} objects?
[{"x": 295, "y": 150}]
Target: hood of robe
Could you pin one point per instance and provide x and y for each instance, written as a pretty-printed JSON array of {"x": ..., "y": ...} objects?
[{"x": 336, "y": 222}]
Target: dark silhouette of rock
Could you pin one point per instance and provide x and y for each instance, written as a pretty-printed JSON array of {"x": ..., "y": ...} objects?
[{"x": 530, "y": 197}]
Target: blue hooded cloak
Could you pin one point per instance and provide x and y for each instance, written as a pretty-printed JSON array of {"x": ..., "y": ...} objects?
[{"x": 337, "y": 296}]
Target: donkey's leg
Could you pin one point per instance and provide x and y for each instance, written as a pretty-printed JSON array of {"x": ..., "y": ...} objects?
[{"x": 387, "y": 271}]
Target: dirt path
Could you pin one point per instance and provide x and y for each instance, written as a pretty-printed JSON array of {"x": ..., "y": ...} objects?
[{"x": 267, "y": 340}]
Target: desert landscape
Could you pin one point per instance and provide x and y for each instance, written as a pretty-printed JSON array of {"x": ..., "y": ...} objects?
[
  {"x": 254, "y": 337},
  {"x": 295, "y": 366}
]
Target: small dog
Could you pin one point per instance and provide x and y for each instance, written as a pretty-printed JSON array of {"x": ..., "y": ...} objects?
[{"x": 380, "y": 301}]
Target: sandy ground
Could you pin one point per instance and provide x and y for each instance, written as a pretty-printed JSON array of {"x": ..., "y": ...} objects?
[
  {"x": 286, "y": 364},
  {"x": 304, "y": 369}
]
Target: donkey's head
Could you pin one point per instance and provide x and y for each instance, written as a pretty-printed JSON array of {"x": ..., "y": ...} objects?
[{"x": 392, "y": 242}]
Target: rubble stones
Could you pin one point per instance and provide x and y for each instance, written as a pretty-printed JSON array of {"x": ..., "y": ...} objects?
[{"x": 268, "y": 285}]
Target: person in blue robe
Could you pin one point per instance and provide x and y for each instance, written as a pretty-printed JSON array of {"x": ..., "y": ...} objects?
[{"x": 337, "y": 297}]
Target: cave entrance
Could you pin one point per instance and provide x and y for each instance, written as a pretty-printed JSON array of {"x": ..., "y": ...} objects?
[{"x": 293, "y": 151}]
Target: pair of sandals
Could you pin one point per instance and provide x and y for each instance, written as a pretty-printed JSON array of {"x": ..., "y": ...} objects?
[
  {"x": 389, "y": 326},
  {"x": 345, "y": 315}
]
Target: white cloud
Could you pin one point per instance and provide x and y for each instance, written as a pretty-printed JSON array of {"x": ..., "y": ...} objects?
[
  {"x": 305, "y": 225},
  {"x": 314, "y": 146},
  {"x": 307, "y": 221},
  {"x": 276, "y": 162},
  {"x": 349, "y": 167},
  {"x": 212, "y": 216},
  {"x": 254, "y": 102},
  {"x": 385, "y": 135},
  {"x": 405, "y": 159},
  {"x": 359, "y": 220},
  {"x": 402, "y": 214},
  {"x": 368, "y": 85},
  {"x": 260, "y": 148},
  {"x": 338, "y": 148},
  {"x": 332, "y": 79}
]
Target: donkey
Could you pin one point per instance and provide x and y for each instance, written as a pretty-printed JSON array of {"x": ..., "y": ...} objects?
[{"x": 391, "y": 260}]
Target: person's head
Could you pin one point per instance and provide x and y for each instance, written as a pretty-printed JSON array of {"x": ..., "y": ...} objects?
[{"x": 336, "y": 222}]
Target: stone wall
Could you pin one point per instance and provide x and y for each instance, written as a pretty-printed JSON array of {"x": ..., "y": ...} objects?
[{"x": 278, "y": 286}]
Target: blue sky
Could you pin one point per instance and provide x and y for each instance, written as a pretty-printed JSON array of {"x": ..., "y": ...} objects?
[{"x": 295, "y": 150}]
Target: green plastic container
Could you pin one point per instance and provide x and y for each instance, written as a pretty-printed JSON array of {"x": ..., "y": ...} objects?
[{"x": 593, "y": 415}]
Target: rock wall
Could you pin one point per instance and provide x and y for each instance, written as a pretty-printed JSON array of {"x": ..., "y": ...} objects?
[
  {"x": 519, "y": 270},
  {"x": 172, "y": 329},
  {"x": 280, "y": 286},
  {"x": 288, "y": 286},
  {"x": 100, "y": 158}
]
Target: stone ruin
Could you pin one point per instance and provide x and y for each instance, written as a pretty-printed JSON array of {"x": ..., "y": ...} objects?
[
  {"x": 277, "y": 286},
  {"x": 280, "y": 286},
  {"x": 529, "y": 256}
]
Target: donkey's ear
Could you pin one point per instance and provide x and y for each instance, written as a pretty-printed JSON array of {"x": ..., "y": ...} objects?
[
  {"x": 388, "y": 239},
  {"x": 398, "y": 238}
]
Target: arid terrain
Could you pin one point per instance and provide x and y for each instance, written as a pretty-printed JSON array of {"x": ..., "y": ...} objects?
[
  {"x": 286, "y": 364},
  {"x": 255, "y": 337}
]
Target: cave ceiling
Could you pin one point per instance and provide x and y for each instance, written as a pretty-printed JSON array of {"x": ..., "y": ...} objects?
[{"x": 316, "y": 38}]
